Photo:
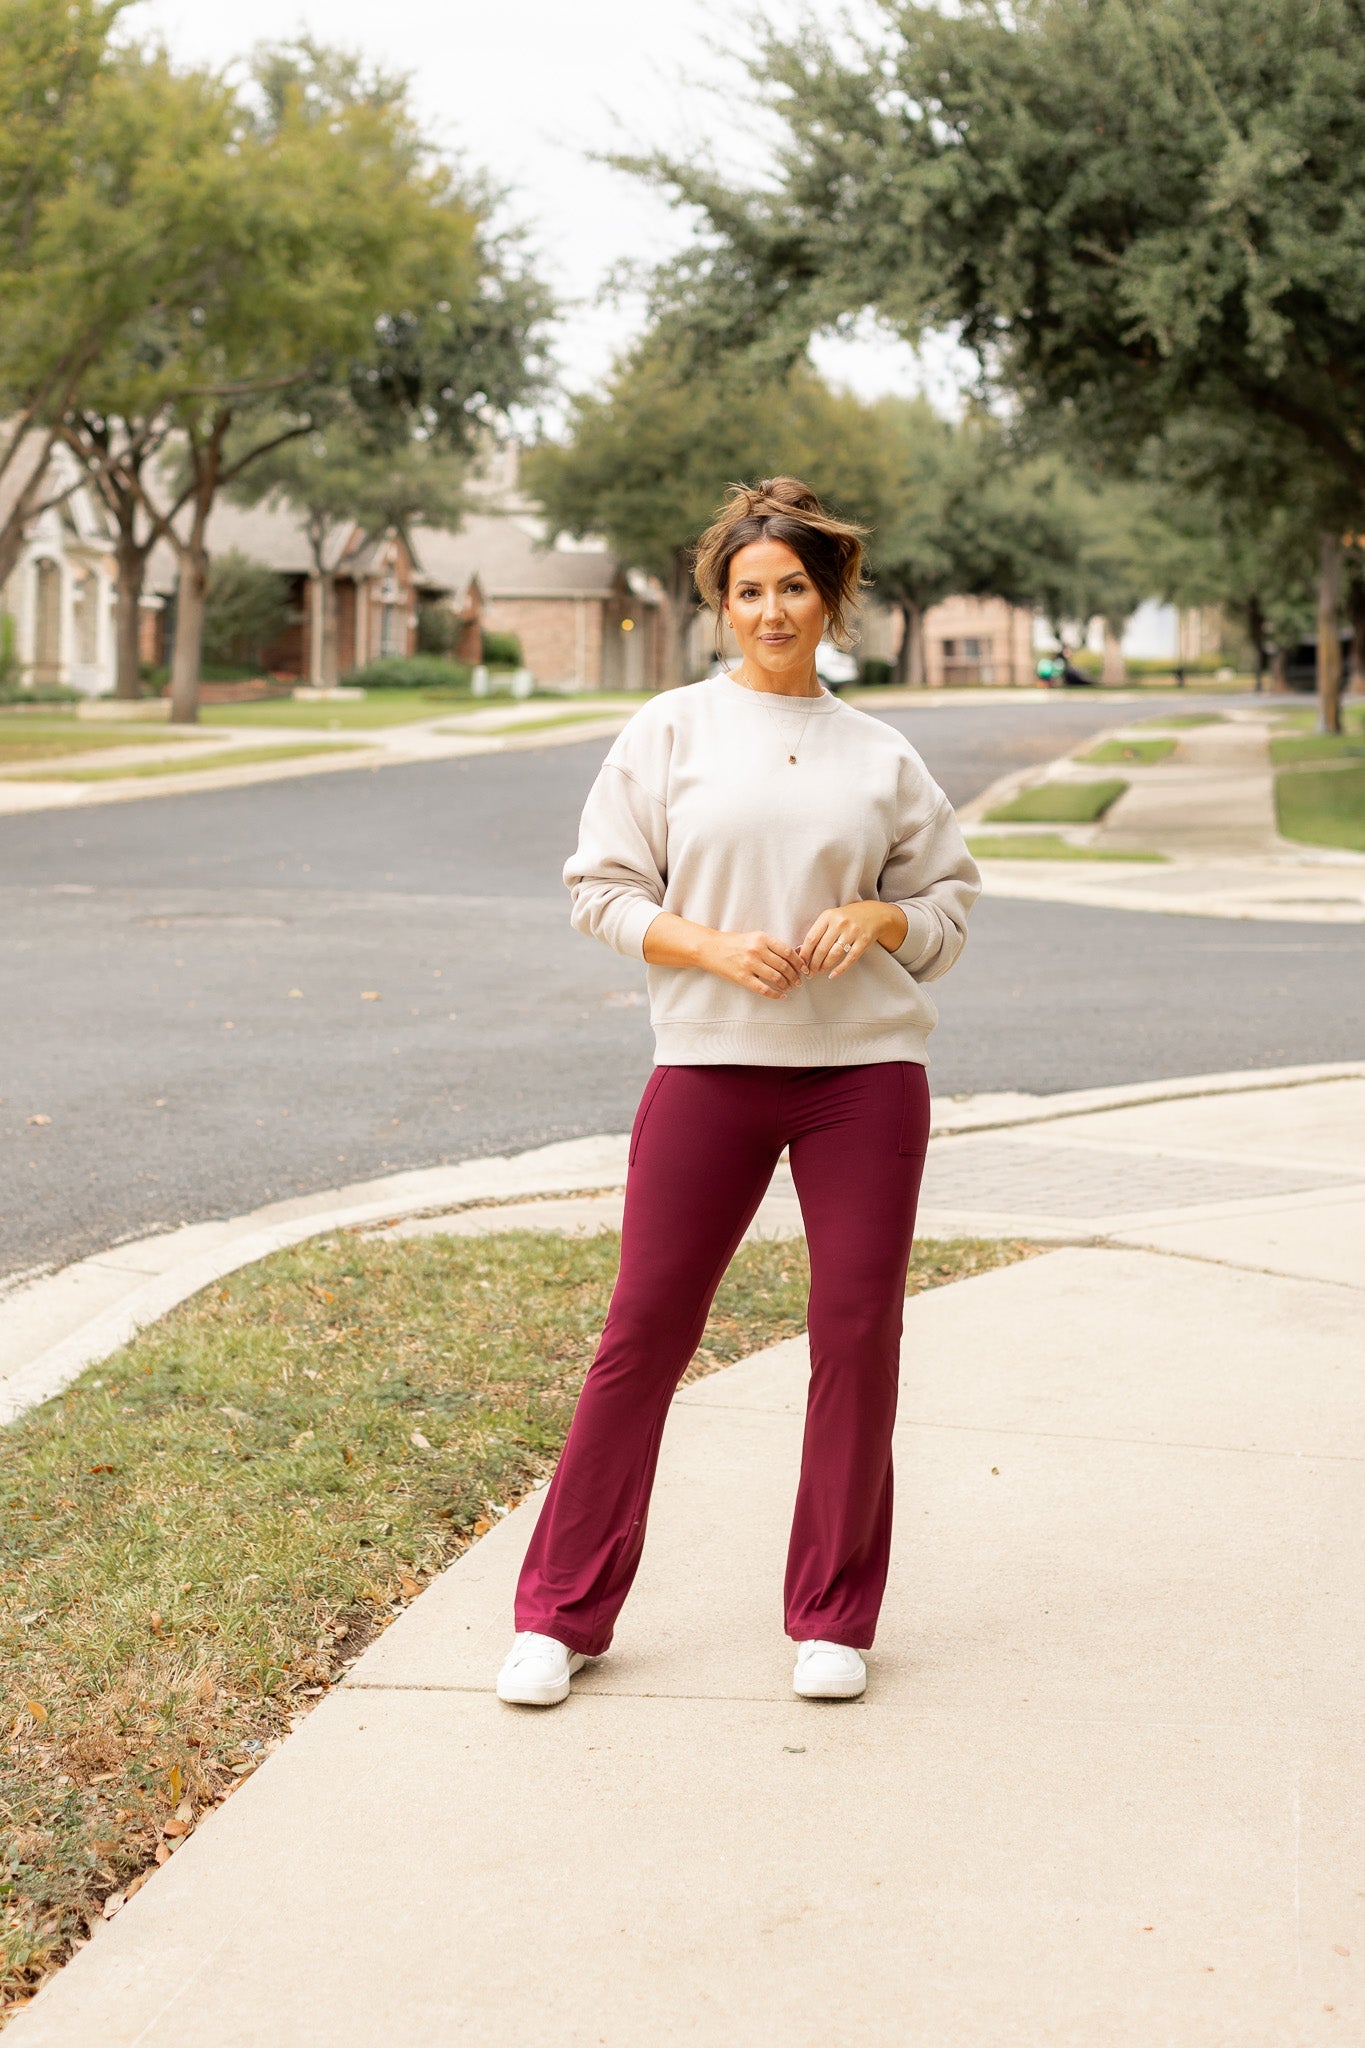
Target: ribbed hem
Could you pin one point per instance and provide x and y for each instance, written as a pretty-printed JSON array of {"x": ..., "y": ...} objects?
[{"x": 787, "y": 1045}]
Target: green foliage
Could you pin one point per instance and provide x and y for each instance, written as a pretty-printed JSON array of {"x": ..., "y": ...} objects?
[
  {"x": 502, "y": 650},
  {"x": 411, "y": 672},
  {"x": 646, "y": 463},
  {"x": 437, "y": 628},
  {"x": 10, "y": 671},
  {"x": 873, "y": 671},
  {"x": 1130, "y": 212},
  {"x": 246, "y": 610},
  {"x": 1059, "y": 803}
]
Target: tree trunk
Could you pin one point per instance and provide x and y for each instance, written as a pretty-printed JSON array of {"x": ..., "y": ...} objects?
[
  {"x": 192, "y": 588},
  {"x": 1329, "y": 643},
  {"x": 1256, "y": 634},
  {"x": 328, "y": 666},
  {"x": 911, "y": 671},
  {"x": 15, "y": 524},
  {"x": 132, "y": 566},
  {"x": 1114, "y": 672},
  {"x": 680, "y": 594}
]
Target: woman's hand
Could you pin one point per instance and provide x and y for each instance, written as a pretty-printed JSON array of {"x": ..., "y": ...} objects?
[
  {"x": 839, "y": 938},
  {"x": 752, "y": 960}
]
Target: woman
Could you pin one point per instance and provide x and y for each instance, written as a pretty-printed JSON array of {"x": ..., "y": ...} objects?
[{"x": 792, "y": 875}]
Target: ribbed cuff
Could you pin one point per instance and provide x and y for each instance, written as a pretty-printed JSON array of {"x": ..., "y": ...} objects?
[
  {"x": 922, "y": 936},
  {"x": 635, "y": 921}
]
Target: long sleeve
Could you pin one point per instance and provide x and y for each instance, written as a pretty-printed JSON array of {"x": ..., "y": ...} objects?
[
  {"x": 931, "y": 876},
  {"x": 617, "y": 874}
]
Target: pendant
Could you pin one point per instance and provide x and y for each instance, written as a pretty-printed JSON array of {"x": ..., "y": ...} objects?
[{"x": 792, "y": 759}]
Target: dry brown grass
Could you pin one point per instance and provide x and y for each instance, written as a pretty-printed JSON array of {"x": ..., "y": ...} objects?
[{"x": 201, "y": 1534}]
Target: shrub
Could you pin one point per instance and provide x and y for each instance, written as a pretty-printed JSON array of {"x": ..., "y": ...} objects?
[
  {"x": 875, "y": 670},
  {"x": 437, "y": 627},
  {"x": 246, "y": 608},
  {"x": 502, "y": 650},
  {"x": 411, "y": 672},
  {"x": 38, "y": 693}
]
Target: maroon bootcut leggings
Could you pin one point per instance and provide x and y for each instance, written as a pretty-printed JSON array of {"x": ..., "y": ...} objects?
[{"x": 703, "y": 1149}]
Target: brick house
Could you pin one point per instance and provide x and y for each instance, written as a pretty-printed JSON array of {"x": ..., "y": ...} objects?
[
  {"x": 585, "y": 620},
  {"x": 380, "y": 583},
  {"x": 978, "y": 640}
]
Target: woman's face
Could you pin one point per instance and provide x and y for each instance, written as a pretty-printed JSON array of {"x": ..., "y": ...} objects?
[{"x": 774, "y": 610}]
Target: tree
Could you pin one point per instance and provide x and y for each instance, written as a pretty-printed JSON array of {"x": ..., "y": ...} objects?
[
  {"x": 341, "y": 476},
  {"x": 315, "y": 250},
  {"x": 646, "y": 462},
  {"x": 245, "y": 609},
  {"x": 79, "y": 162},
  {"x": 1130, "y": 212}
]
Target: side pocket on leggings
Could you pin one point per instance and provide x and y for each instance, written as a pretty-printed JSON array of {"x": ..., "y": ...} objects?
[
  {"x": 914, "y": 1137},
  {"x": 652, "y": 1087}
]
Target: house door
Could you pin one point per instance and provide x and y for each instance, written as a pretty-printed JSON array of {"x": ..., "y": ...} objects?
[{"x": 47, "y": 623}]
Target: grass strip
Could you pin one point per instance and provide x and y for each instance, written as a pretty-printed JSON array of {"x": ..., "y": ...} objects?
[
  {"x": 1323, "y": 806},
  {"x": 1310, "y": 747},
  {"x": 34, "y": 742},
  {"x": 1305, "y": 719},
  {"x": 1189, "y": 718},
  {"x": 202, "y": 1532},
  {"x": 1044, "y": 846},
  {"x": 515, "y": 726},
  {"x": 1059, "y": 803},
  {"x": 1144, "y": 751},
  {"x": 236, "y": 757}
]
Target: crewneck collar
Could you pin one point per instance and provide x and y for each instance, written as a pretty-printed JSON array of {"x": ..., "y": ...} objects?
[{"x": 769, "y": 700}]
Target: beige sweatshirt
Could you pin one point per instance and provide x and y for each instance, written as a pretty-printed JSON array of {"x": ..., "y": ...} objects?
[{"x": 698, "y": 810}]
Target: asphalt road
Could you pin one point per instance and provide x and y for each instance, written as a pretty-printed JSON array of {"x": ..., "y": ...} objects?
[{"x": 221, "y": 999}]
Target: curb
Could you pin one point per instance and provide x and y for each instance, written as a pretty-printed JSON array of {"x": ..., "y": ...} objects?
[
  {"x": 57, "y": 1324},
  {"x": 51, "y": 796}
]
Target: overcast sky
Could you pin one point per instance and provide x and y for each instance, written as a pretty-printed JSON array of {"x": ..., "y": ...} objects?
[{"x": 527, "y": 89}]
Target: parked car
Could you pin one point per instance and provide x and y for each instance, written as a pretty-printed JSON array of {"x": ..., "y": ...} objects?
[
  {"x": 835, "y": 669},
  {"x": 1301, "y": 663}
]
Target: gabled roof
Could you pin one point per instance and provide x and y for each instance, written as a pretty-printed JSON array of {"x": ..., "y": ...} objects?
[{"x": 511, "y": 562}]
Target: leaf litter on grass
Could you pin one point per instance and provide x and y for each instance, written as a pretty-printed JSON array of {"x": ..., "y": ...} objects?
[{"x": 202, "y": 1532}]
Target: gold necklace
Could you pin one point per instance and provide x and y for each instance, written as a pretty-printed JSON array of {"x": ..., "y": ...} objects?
[{"x": 760, "y": 694}]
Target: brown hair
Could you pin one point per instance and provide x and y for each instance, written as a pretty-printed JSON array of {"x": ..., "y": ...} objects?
[{"x": 783, "y": 508}]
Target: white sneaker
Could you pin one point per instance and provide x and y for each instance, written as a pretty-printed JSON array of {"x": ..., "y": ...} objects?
[
  {"x": 828, "y": 1671},
  {"x": 537, "y": 1671}
]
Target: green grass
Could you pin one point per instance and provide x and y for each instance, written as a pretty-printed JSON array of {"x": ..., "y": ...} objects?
[
  {"x": 237, "y": 757},
  {"x": 1323, "y": 806},
  {"x": 514, "y": 726},
  {"x": 381, "y": 707},
  {"x": 1043, "y": 846},
  {"x": 199, "y": 1534},
  {"x": 1316, "y": 746},
  {"x": 1304, "y": 718},
  {"x": 1145, "y": 751},
  {"x": 1197, "y": 718},
  {"x": 32, "y": 741},
  {"x": 1059, "y": 803}
]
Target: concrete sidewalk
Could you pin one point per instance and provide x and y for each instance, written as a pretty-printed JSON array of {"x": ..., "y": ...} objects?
[
  {"x": 1103, "y": 1789},
  {"x": 1208, "y": 813}
]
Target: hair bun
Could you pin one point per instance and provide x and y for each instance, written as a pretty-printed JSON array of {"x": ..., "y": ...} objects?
[{"x": 789, "y": 493}]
